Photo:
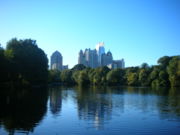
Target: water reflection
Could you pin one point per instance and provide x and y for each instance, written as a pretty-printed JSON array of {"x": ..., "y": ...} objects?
[
  {"x": 97, "y": 104},
  {"x": 55, "y": 102},
  {"x": 95, "y": 107},
  {"x": 22, "y": 111},
  {"x": 169, "y": 106}
]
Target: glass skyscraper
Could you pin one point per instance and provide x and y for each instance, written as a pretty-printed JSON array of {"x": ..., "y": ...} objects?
[
  {"x": 56, "y": 61},
  {"x": 100, "y": 51}
]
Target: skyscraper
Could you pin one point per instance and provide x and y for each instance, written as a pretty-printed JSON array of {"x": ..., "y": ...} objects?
[
  {"x": 88, "y": 58},
  {"x": 56, "y": 60},
  {"x": 117, "y": 64},
  {"x": 100, "y": 50},
  {"x": 98, "y": 57},
  {"x": 106, "y": 58}
]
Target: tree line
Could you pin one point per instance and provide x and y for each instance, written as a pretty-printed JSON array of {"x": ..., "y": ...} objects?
[
  {"x": 165, "y": 74},
  {"x": 22, "y": 62}
]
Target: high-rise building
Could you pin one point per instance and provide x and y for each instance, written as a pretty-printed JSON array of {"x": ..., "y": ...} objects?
[
  {"x": 56, "y": 60},
  {"x": 88, "y": 58},
  {"x": 100, "y": 51},
  {"x": 117, "y": 64},
  {"x": 98, "y": 57},
  {"x": 106, "y": 58}
]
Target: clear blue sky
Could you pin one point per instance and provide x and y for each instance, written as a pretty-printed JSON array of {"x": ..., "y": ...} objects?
[{"x": 136, "y": 30}]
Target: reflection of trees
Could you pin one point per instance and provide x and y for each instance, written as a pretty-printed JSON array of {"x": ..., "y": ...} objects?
[
  {"x": 23, "y": 110},
  {"x": 93, "y": 105},
  {"x": 169, "y": 106},
  {"x": 165, "y": 100},
  {"x": 55, "y": 100}
]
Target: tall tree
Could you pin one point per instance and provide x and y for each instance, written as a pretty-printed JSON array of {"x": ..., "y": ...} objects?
[
  {"x": 174, "y": 71},
  {"x": 29, "y": 61}
]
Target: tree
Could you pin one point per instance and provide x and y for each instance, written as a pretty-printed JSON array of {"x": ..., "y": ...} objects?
[
  {"x": 3, "y": 65},
  {"x": 143, "y": 77},
  {"x": 164, "y": 61},
  {"x": 144, "y": 66},
  {"x": 99, "y": 76},
  {"x": 173, "y": 70},
  {"x": 132, "y": 79},
  {"x": 54, "y": 76},
  {"x": 115, "y": 77},
  {"x": 30, "y": 63},
  {"x": 78, "y": 67},
  {"x": 83, "y": 78},
  {"x": 66, "y": 76}
]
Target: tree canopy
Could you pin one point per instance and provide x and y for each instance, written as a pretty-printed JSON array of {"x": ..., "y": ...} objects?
[{"x": 24, "y": 61}]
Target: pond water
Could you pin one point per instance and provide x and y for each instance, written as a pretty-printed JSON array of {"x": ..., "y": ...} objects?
[{"x": 91, "y": 111}]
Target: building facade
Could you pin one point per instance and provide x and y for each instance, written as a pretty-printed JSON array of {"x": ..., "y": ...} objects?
[
  {"x": 117, "y": 64},
  {"x": 98, "y": 58},
  {"x": 57, "y": 62},
  {"x": 88, "y": 58},
  {"x": 106, "y": 58},
  {"x": 100, "y": 51}
]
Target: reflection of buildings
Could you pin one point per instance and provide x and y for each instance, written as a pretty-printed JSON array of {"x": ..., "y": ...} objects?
[
  {"x": 55, "y": 101},
  {"x": 92, "y": 106},
  {"x": 57, "y": 61},
  {"x": 98, "y": 57}
]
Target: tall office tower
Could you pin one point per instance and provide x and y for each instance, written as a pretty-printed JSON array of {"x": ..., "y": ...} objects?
[
  {"x": 81, "y": 58},
  {"x": 122, "y": 63},
  {"x": 98, "y": 58},
  {"x": 56, "y": 60},
  {"x": 92, "y": 58},
  {"x": 106, "y": 59},
  {"x": 100, "y": 50},
  {"x": 88, "y": 58}
]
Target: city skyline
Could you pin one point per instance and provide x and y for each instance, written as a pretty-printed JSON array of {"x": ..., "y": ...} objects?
[
  {"x": 138, "y": 31},
  {"x": 98, "y": 58}
]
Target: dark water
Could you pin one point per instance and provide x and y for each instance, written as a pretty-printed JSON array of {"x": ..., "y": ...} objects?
[{"x": 90, "y": 111}]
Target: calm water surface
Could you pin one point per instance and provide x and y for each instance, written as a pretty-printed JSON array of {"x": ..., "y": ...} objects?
[{"x": 91, "y": 111}]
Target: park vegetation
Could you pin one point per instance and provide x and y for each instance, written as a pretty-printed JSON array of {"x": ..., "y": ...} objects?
[
  {"x": 22, "y": 62},
  {"x": 165, "y": 74}
]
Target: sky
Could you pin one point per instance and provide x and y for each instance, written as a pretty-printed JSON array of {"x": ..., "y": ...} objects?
[{"x": 137, "y": 30}]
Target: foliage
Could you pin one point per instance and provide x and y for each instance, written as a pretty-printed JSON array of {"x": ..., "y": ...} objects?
[
  {"x": 66, "y": 76},
  {"x": 173, "y": 70},
  {"x": 166, "y": 73},
  {"x": 78, "y": 67},
  {"x": 115, "y": 76},
  {"x": 24, "y": 62},
  {"x": 54, "y": 76}
]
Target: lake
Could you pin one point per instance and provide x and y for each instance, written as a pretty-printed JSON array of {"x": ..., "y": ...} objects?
[{"x": 90, "y": 111}]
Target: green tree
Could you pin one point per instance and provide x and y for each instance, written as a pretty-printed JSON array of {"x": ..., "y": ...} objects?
[
  {"x": 164, "y": 61},
  {"x": 66, "y": 76},
  {"x": 144, "y": 77},
  {"x": 54, "y": 76},
  {"x": 78, "y": 67},
  {"x": 99, "y": 76},
  {"x": 115, "y": 77},
  {"x": 144, "y": 66},
  {"x": 83, "y": 78},
  {"x": 173, "y": 70},
  {"x": 132, "y": 79},
  {"x": 29, "y": 62}
]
